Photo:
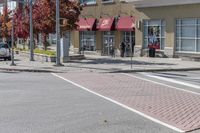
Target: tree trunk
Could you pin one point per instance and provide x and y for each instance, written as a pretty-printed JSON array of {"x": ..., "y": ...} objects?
[
  {"x": 24, "y": 41},
  {"x": 45, "y": 41}
]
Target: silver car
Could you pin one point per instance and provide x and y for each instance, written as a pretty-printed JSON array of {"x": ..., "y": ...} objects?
[{"x": 5, "y": 52}]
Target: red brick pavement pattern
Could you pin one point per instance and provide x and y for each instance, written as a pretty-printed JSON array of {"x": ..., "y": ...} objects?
[{"x": 177, "y": 108}]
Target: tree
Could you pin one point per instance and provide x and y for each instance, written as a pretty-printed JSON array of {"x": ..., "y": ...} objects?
[
  {"x": 44, "y": 17},
  {"x": 21, "y": 29},
  {"x": 6, "y": 24}
]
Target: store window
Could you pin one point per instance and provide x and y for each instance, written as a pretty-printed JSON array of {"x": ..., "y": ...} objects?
[
  {"x": 88, "y": 40},
  {"x": 128, "y": 45},
  {"x": 188, "y": 35},
  {"x": 11, "y": 6},
  {"x": 88, "y": 2},
  {"x": 154, "y": 34}
]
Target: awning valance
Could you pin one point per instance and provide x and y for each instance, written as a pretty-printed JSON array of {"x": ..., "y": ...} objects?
[
  {"x": 86, "y": 24},
  {"x": 126, "y": 23},
  {"x": 106, "y": 24}
]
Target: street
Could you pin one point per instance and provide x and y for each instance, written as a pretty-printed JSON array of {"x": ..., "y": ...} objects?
[
  {"x": 44, "y": 103},
  {"x": 90, "y": 66}
]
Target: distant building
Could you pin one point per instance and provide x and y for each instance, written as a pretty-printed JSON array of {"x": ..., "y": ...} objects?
[{"x": 11, "y": 5}]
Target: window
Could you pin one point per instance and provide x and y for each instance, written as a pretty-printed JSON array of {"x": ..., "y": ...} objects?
[
  {"x": 107, "y": 1},
  {"x": 188, "y": 35},
  {"x": 88, "y": 40},
  {"x": 154, "y": 33},
  {"x": 88, "y": 2},
  {"x": 1, "y": 8},
  {"x": 12, "y": 5}
]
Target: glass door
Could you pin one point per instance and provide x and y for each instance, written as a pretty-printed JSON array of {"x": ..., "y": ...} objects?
[
  {"x": 129, "y": 45},
  {"x": 108, "y": 43}
]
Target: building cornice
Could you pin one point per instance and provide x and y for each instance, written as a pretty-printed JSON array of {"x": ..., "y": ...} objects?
[{"x": 158, "y": 3}]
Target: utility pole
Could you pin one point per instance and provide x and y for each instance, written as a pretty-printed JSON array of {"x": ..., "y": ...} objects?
[
  {"x": 58, "y": 33},
  {"x": 131, "y": 44},
  {"x": 5, "y": 8},
  {"x": 12, "y": 54},
  {"x": 31, "y": 31}
]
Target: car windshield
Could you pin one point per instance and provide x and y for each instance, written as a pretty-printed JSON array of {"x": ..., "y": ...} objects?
[{"x": 3, "y": 45}]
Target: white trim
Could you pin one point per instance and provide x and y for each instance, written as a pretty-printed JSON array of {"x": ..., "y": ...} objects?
[
  {"x": 160, "y": 3},
  {"x": 91, "y": 3},
  {"x": 173, "y": 81},
  {"x": 122, "y": 0},
  {"x": 122, "y": 105},
  {"x": 187, "y": 52},
  {"x": 106, "y": 2},
  {"x": 180, "y": 89}
]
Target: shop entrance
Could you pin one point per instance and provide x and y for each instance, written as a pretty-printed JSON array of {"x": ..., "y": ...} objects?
[
  {"x": 129, "y": 45},
  {"x": 108, "y": 43}
]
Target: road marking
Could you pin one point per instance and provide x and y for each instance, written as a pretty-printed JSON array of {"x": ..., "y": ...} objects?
[
  {"x": 122, "y": 105},
  {"x": 173, "y": 81},
  {"x": 180, "y": 89}
]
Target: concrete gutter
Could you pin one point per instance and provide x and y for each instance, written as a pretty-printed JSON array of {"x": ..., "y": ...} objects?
[
  {"x": 156, "y": 70},
  {"x": 31, "y": 70},
  {"x": 91, "y": 68}
]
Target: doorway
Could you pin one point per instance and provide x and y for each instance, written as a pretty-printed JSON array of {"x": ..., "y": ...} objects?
[
  {"x": 129, "y": 44},
  {"x": 108, "y": 42}
]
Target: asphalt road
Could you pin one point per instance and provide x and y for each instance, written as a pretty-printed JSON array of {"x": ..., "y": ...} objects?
[{"x": 43, "y": 103}]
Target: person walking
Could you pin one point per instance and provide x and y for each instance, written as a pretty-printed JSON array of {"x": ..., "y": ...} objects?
[
  {"x": 123, "y": 46},
  {"x": 112, "y": 51}
]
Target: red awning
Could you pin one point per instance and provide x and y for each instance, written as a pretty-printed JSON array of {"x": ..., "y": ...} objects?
[
  {"x": 126, "y": 23},
  {"x": 106, "y": 24},
  {"x": 86, "y": 24}
]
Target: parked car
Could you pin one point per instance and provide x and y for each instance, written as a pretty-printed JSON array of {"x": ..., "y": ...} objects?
[{"x": 5, "y": 52}]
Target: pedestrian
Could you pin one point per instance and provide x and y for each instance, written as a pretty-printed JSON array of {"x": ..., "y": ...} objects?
[
  {"x": 152, "y": 38},
  {"x": 123, "y": 46},
  {"x": 128, "y": 50},
  {"x": 112, "y": 51}
]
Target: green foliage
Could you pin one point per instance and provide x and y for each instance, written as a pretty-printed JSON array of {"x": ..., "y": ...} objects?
[
  {"x": 39, "y": 51},
  {"x": 46, "y": 52}
]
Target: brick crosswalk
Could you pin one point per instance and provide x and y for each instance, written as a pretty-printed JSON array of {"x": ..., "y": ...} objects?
[{"x": 174, "y": 107}]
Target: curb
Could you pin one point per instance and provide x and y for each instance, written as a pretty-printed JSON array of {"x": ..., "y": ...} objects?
[
  {"x": 156, "y": 70},
  {"x": 108, "y": 71},
  {"x": 31, "y": 70},
  {"x": 137, "y": 70}
]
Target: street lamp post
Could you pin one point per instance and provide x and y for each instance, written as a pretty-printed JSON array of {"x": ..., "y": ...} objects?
[
  {"x": 131, "y": 44},
  {"x": 12, "y": 52},
  {"x": 58, "y": 33},
  {"x": 31, "y": 32}
]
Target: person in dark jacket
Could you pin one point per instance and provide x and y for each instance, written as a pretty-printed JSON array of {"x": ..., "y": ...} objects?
[{"x": 123, "y": 46}]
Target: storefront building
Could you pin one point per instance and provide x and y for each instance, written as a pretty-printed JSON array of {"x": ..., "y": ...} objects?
[
  {"x": 173, "y": 28},
  {"x": 103, "y": 25},
  {"x": 174, "y": 23}
]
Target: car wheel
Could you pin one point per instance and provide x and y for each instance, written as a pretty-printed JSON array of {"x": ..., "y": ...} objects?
[{"x": 5, "y": 59}]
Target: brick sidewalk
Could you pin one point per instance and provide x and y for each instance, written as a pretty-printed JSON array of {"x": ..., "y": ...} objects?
[{"x": 175, "y": 107}]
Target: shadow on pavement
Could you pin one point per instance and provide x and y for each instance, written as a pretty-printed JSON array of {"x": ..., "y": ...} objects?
[
  {"x": 117, "y": 61},
  {"x": 2, "y": 60}
]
